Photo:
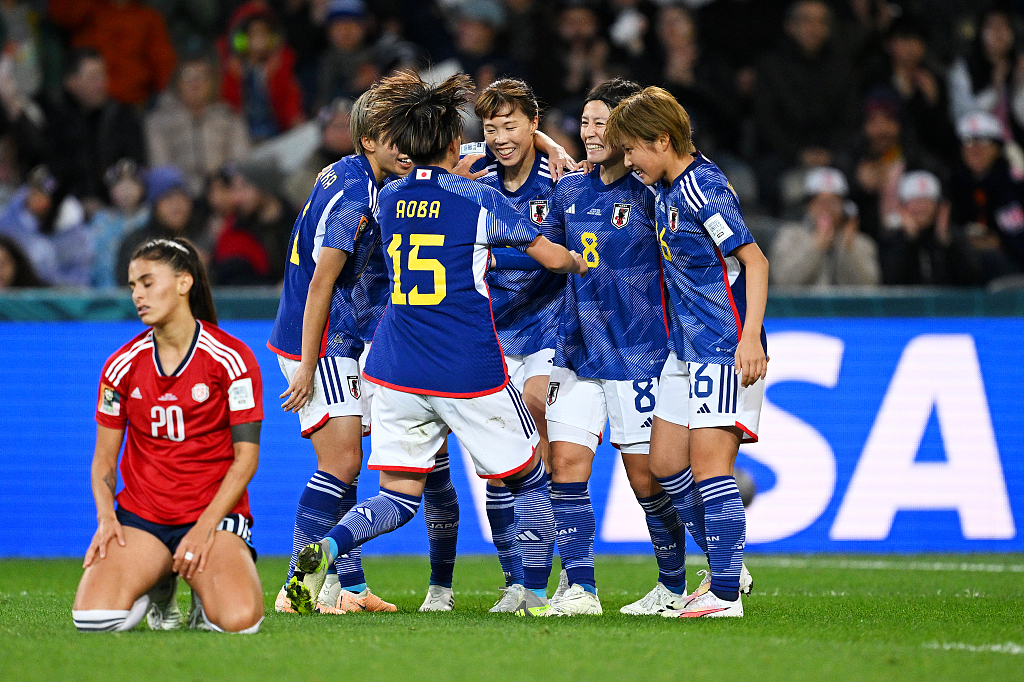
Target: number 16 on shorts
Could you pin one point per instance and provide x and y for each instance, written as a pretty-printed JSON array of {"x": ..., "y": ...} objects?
[{"x": 717, "y": 398}]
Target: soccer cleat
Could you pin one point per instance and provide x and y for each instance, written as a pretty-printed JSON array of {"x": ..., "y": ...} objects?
[
  {"x": 578, "y": 602},
  {"x": 311, "y": 568},
  {"x": 563, "y": 585},
  {"x": 163, "y": 613},
  {"x": 533, "y": 606},
  {"x": 654, "y": 602},
  {"x": 746, "y": 580},
  {"x": 196, "y": 621},
  {"x": 281, "y": 604},
  {"x": 705, "y": 584},
  {"x": 366, "y": 601},
  {"x": 511, "y": 596},
  {"x": 327, "y": 602},
  {"x": 439, "y": 598},
  {"x": 708, "y": 605}
]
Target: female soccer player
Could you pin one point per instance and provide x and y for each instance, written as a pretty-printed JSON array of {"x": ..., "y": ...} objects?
[
  {"x": 436, "y": 357},
  {"x": 611, "y": 348},
  {"x": 712, "y": 385},
  {"x": 190, "y": 398},
  {"x": 318, "y": 337}
]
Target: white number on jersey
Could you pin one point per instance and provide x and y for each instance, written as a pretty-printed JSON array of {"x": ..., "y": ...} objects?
[{"x": 173, "y": 418}]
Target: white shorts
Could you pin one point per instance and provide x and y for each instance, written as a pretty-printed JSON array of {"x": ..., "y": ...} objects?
[
  {"x": 589, "y": 404},
  {"x": 699, "y": 396},
  {"x": 337, "y": 391},
  {"x": 523, "y": 367},
  {"x": 369, "y": 388},
  {"x": 408, "y": 430}
]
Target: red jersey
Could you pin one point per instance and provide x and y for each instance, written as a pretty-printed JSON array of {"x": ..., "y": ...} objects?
[{"x": 179, "y": 423}]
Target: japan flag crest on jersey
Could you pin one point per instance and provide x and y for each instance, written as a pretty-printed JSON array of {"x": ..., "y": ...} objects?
[
  {"x": 620, "y": 215},
  {"x": 538, "y": 210},
  {"x": 673, "y": 218}
]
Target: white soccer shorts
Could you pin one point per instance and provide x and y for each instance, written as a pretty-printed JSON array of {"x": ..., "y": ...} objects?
[
  {"x": 523, "y": 367},
  {"x": 409, "y": 428},
  {"x": 368, "y": 389},
  {"x": 589, "y": 404},
  {"x": 703, "y": 395},
  {"x": 337, "y": 391}
]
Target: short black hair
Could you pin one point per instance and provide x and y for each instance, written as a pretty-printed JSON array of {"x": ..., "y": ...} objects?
[
  {"x": 612, "y": 92},
  {"x": 79, "y": 56}
]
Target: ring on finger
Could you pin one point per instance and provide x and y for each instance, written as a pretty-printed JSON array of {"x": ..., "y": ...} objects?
[{"x": 189, "y": 556}]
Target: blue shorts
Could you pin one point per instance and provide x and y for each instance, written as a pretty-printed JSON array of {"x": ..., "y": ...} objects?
[{"x": 171, "y": 535}]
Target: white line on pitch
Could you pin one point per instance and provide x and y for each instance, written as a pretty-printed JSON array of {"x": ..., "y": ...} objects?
[
  {"x": 1005, "y": 648},
  {"x": 882, "y": 565}
]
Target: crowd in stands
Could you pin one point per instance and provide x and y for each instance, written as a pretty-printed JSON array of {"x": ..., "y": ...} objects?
[{"x": 870, "y": 141}]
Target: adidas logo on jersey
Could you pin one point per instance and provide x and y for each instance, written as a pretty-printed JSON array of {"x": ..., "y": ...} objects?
[
  {"x": 167, "y": 397},
  {"x": 571, "y": 210},
  {"x": 527, "y": 536},
  {"x": 136, "y": 393},
  {"x": 704, "y": 409},
  {"x": 648, "y": 424}
]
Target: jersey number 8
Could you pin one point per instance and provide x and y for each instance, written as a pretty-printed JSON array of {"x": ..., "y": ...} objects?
[
  {"x": 414, "y": 297},
  {"x": 173, "y": 418}
]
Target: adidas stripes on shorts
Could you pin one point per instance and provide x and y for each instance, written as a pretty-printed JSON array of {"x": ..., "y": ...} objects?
[
  {"x": 701, "y": 395},
  {"x": 337, "y": 391}
]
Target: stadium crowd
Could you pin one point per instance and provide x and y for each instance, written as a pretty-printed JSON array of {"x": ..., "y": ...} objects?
[{"x": 870, "y": 142}]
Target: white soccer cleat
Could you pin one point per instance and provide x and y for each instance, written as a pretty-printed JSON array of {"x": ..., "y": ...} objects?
[
  {"x": 439, "y": 598},
  {"x": 577, "y": 602},
  {"x": 746, "y": 580},
  {"x": 708, "y": 605},
  {"x": 327, "y": 601},
  {"x": 654, "y": 602},
  {"x": 563, "y": 586},
  {"x": 282, "y": 604},
  {"x": 196, "y": 615},
  {"x": 511, "y": 597},
  {"x": 163, "y": 613}
]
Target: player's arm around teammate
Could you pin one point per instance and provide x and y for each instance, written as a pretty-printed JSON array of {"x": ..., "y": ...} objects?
[{"x": 167, "y": 522}]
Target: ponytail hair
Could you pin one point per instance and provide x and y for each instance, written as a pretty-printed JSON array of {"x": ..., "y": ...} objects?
[
  {"x": 181, "y": 256},
  {"x": 421, "y": 119}
]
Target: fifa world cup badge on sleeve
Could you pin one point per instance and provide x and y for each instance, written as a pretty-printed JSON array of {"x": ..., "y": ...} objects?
[
  {"x": 538, "y": 210},
  {"x": 620, "y": 216},
  {"x": 240, "y": 396},
  {"x": 718, "y": 228},
  {"x": 200, "y": 392},
  {"x": 110, "y": 402},
  {"x": 353, "y": 387}
]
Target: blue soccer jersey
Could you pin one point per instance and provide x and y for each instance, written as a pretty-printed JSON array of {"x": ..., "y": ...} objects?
[
  {"x": 699, "y": 225},
  {"x": 612, "y": 324},
  {"x": 338, "y": 214},
  {"x": 526, "y": 302},
  {"x": 437, "y": 336}
]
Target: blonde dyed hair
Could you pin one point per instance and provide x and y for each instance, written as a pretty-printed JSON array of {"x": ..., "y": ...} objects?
[{"x": 646, "y": 115}]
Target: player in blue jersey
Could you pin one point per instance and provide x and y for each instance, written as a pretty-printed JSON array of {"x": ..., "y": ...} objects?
[
  {"x": 326, "y": 304},
  {"x": 436, "y": 357},
  {"x": 612, "y": 343},
  {"x": 712, "y": 385}
]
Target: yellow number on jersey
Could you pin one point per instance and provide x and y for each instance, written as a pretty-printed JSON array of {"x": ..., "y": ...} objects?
[
  {"x": 416, "y": 263},
  {"x": 589, "y": 241},
  {"x": 665, "y": 253},
  {"x": 295, "y": 248},
  {"x": 397, "y": 297}
]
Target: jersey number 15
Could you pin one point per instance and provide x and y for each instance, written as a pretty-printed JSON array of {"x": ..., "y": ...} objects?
[{"x": 414, "y": 262}]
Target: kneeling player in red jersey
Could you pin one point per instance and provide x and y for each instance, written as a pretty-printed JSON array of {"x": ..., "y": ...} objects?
[{"x": 190, "y": 398}]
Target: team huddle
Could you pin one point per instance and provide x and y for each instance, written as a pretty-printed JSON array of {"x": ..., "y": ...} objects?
[{"x": 481, "y": 290}]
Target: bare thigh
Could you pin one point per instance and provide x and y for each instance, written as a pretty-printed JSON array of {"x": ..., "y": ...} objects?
[
  {"x": 229, "y": 586},
  {"x": 339, "y": 447},
  {"x": 535, "y": 395},
  {"x": 128, "y": 572},
  {"x": 670, "y": 448}
]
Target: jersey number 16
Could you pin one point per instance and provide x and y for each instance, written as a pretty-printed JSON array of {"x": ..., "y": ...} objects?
[{"x": 414, "y": 262}]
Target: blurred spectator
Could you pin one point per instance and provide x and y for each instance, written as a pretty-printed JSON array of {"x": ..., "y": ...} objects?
[
  {"x": 988, "y": 197},
  {"x": 860, "y": 27},
  {"x": 32, "y": 46},
  {"x": 991, "y": 77},
  {"x": 575, "y": 62},
  {"x": 252, "y": 250},
  {"x": 529, "y": 31},
  {"x": 172, "y": 215},
  {"x": 191, "y": 24},
  {"x": 477, "y": 25},
  {"x": 346, "y": 68},
  {"x": 631, "y": 28},
  {"x": 740, "y": 32},
  {"x": 15, "y": 268},
  {"x": 22, "y": 122},
  {"x": 131, "y": 37},
  {"x": 924, "y": 248},
  {"x": 191, "y": 129},
  {"x": 219, "y": 200},
  {"x": 88, "y": 132},
  {"x": 259, "y": 78},
  {"x": 302, "y": 22},
  {"x": 826, "y": 248},
  {"x": 804, "y": 102},
  {"x": 335, "y": 142},
  {"x": 51, "y": 233},
  {"x": 128, "y": 212}
]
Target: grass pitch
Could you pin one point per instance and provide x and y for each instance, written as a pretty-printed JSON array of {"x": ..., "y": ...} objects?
[{"x": 810, "y": 618}]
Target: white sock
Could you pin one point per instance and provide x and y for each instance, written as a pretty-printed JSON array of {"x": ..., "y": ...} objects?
[
  {"x": 208, "y": 624},
  {"x": 111, "y": 620}
]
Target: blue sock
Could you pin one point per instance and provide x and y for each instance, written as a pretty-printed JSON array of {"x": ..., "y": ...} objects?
[
  {"x": 687, "y": 501},
  {"x": 441, "y": 513},
  {"x": 350, "y": 566},
  {"x": 502, "y": 516},
  {"x": 320, "y": 507},
  {"x": 375, "y": 516},
  {"x": 726, "y": 525},
  {"x": 535, "y": 526},
  {"x": 575, "y": 528},
  {"x": 668, "y": 538}
]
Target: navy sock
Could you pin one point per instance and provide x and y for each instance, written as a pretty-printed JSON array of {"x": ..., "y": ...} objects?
[
  {"x": 375, "y": 516},
  {"x": 441, "y": 513},
  {"x": 320, "y": 508},
  {"x": 350, "y": 566},
  {"x": 501, "y": 515},
  {"x": 575, "y": 528},
  {"x": 535, "y": 526},
  {"x": 726, "y": 525},
  {"x": 688, "y": 503},
  {"x": 668, "y": 538}
]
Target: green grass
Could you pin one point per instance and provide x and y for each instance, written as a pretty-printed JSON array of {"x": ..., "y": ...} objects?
[{"x": 816, "y": 619}]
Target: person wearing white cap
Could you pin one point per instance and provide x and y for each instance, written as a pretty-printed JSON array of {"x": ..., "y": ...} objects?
[
  {"x": 924, "y": 248},
  {"x": 826, "y": 248},
  {"x": 987, "y": 197}
]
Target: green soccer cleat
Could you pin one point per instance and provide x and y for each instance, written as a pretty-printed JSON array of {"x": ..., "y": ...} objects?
[
  {"x": 311, "y": 569},
  {"x": 533, "y": 606}
]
